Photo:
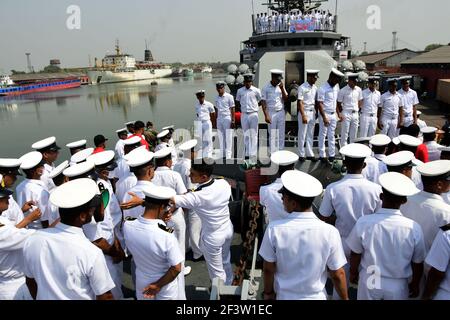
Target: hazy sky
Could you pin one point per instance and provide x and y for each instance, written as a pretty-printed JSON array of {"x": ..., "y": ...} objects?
[{"x": 188, "y": 30}]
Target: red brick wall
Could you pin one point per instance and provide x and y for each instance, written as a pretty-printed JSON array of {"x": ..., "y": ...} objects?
[{"x": 430, "y": 75}]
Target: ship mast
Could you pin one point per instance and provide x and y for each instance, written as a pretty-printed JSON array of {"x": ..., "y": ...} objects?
[{"x": 117, "y": 47}]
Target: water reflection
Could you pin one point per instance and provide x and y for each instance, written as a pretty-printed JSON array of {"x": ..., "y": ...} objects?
[{"x": 8, "y": 111}]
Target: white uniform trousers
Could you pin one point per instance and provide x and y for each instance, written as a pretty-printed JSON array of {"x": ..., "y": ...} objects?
[
  {"x": 408, "y": 120},
  {"x": 249, "y": 123},
  {"x": 194, "y": 228},
  {"x": 216, "y": 249},
  {"x": 349, "y": 127},
  {"x": 204, "y": 130},
  {"x": 329, "y": 132},
  {"x": 389, "y": 126},
  {"x": 368, "y": 125},
  {"x": 389, "y": 288},
  {"x": 15, "y": 289},
  {"x": 306, "y": 131},
  {"x": 116, "y": 272},
  {"x": 225, "y": 137},
  {"x": 277, "y": 130}
]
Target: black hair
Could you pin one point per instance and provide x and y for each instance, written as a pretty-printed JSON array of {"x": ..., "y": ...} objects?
[
  {"x": 399, "y": 169},
  {"x": 429, "y": 136},
  {"x": 139, "y": 125},
  {"x": 283, "y": 169},
  {"x": 68, "y": 215},
  {"x": 58, "y": 180},
  {"x": 160, "y": 162},
  {"x": 141, "y": 170},
  {"x": 206, "y": 167},
  {"x": 354, "y": 164},
  {"x": 305, "y": 203},
  {"x": 413, "y": 130},
  {"x": 431, "y": 180},
  {"x": 151, "y": 203},
  {"x": 379, "y": 149}
]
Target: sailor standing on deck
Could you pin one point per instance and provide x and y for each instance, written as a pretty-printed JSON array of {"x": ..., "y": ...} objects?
[
  {"x": 352, "y": 197},
  {"x": 273, "y": 98},
  {"x": 269, "y": 196},
  {"x": 50, "y": 153},
  {"x": 76, "y": 146},
  {"x": 388, "y": 113},
  {"x": 327, "y": 97},
  {"x": 371, "y": 103},
  {"x": 205, "y": 114},
  {"x": 408, "y": 112},
  {"x": 130, "y": 128},
  {"x": 300, "y": 250},
  {"x": 377, "y": 240},
  {"x": 122, "y": 134},
  {"x": 79, "y": 269},
  {"x": 51, "y": 214},
  {"x": 33, "y": 188},
  {"x": 306, "y": 107},
  {"x": 9, "y": 170},
  {"x": 350, "y": 101},
  {"x": 225, "y": 120},
  {"x": 410, "y": 143},
  {"x": 248, "y": 99},
  {"x": 429, "y": 140},
  {"x": 374, "y": 164},
  {"x": 159, "y": 262}
]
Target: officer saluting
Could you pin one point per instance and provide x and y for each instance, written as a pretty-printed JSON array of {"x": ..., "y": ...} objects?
[
  {"x": 376, "y": 241},
  {"x": 300, "y": 249},
  {"x": 273, "y": 97},
  {"x": 306, "y": 107},
  {"x": 79, "y": 267},
  {"x": 154, "y": 248}
]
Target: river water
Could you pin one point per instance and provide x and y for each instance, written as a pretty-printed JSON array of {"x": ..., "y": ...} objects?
[{"x": 84, "y": 112}]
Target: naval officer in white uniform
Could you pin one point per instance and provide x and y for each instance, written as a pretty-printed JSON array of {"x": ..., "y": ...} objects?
[
  {"x": 408, "y": 112},
  {"x": 306, "y": 108},
  {"x": 76, "y": 146},
  {"x": 155, "y": 250},
  {"x": 427, "y": 207},
  {"x": 248, "y": 99},
  {"x": 387, "y": 248},
  {"x": 12, "y": 239},
  {"x": 369, "y": 110},
  {"x": 300, "y": 250},
  {"x": 79, "y": 270},
  {"x": 273, "y": 98},
  {"x": 352, "y": 197},
  {"x": 205, "y": 116},
  {"x": 327, "y": 98},
  {"x": 403, "y": 162},
  {"x": 33, "y": 188},
  {"x": 350, "y": 100},
  {"x": 438, "y": 280},
  {"x": 225, "y": 119},
  {"x": 388, "y": 113},
  {"x": 50, "y": 153},
  {"x": 123, "y": 135},
  {"x": 429, "y": 140},
  {"x": 374, "y": 164},
  {"x": 269, "y": 196}
]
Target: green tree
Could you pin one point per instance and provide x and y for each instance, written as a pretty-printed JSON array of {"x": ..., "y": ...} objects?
[
  {"x": 433, "y": 46},
  {"x": 17, "y": 72}
]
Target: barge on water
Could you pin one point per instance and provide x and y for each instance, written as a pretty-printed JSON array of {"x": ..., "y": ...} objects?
[{"x": 39, "y": 86}]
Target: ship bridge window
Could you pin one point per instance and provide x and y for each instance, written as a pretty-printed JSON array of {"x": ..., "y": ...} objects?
[
  {"x": 294, "y": 42},
  {"x": 261, "y": 44},
  {"x": 277, "y": 42},
  {"x": 311, "y": 42},
  {"x": 327, "y": 42}
]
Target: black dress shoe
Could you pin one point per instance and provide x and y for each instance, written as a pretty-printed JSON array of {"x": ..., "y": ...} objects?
[
  {"x": 331, "y": 159},
  {"x": 313, "y": 159},
  {"x": 323, "y": 160}
]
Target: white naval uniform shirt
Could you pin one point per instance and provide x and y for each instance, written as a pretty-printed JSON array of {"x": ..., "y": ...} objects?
[
  {"x": 112, "y": 210},
  {"x": 349, "y": 98},
  {"x": 390, "y": 104},
  {"x": 224, "y": 104},
  {"x": 439, "y": 258},
  {"x": 389, "y": 241},
  {"x": 120, "y": 149},
  {"x": 350, "y": 198},
  {"x": 78, "y": 268},
  {"x": 409, "y": 99},
  {"x": 183, "y": 167},
  {"x": 446, "y": 197},
  {"x": 271, "y": 199},
  {"x": 162, "y": 145},
  {"x": 421, "y": 123},
  {"x": 375, "y": 167},
  {"x": 328, "y": 96},
  {"x": 433, "y": 152},
  {"x": 48, "y": 182},
  {"x": 429, "y": 211},
  {"x": 137, "y": 189},
  {"x": 154, "y": 252},
  {"x": 273, "y": 97},
  {"x": 303, "y": 247},
  {"x": 166, "y": 177},
  {"x": 204, "y": 110},
  {"x": 124, "y": 185},
  {"x": 371, "y": 101},
  {"x": 122, "y": 169},
  {"x": 211, "y": 205},
  {"x": 308, "y": 95},
  {"x": 51, "y": 213},
  {"x": 14, "y": 212},
  {"x": 11, "y": 255},
  {"x": 249, "y": 99},
  {"x": 33, "y": 190}
]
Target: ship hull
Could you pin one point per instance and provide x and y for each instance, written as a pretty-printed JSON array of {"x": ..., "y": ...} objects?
[
  {"x": 99, "y": 77},
  {"x": 40, "y": 87}
]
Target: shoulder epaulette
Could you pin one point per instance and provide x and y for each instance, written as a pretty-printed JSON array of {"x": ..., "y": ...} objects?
[
  {"x": 1, "y": 225},
  {"x": 129, "y": 218},
  {"x": 166, "y": 229},
  {"x": 445, "y": 228}
]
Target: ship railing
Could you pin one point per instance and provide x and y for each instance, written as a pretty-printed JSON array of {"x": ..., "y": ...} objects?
[{"x": 300, "y": 25}]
